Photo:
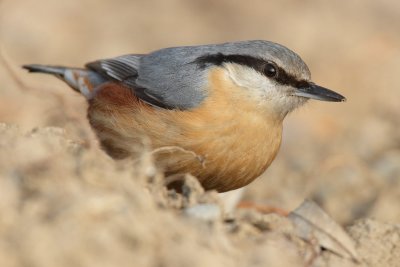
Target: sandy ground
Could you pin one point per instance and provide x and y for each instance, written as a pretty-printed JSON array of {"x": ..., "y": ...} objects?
[{"x": 64, "y": 203}]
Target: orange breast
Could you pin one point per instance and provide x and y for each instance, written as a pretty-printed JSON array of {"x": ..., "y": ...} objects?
[{"x": 234, "y": 139}]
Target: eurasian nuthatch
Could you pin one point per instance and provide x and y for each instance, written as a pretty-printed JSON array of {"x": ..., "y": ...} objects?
[{"x": 224, "y": 103}]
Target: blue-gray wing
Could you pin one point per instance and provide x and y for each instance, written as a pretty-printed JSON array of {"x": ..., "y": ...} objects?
[{"x": 167, "y": 78}]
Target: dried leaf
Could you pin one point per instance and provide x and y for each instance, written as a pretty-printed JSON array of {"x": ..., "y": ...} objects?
[{"x": 312, "y": 223}]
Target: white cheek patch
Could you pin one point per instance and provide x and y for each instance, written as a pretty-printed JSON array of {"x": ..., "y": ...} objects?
[
  {"x": 258, "y": 84},
  {"x": 263, "y": 90}
]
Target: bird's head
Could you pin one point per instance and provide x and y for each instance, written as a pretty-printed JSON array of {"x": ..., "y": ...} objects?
[{"x": 271, "y": 74}]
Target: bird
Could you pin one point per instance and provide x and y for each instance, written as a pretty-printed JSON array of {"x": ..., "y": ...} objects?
[{"x": 215, "y": 111}]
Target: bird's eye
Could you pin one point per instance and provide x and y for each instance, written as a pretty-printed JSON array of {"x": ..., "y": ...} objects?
[{"x": 270, "y": 70}]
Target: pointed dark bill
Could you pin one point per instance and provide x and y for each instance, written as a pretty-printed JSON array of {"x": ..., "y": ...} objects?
[{"x": 317, "y": 92}]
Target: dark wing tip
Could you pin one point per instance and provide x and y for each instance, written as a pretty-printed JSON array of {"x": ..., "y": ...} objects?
[
  {"x": 31, "y": 68},
  {"x": 37, "y": 68}
]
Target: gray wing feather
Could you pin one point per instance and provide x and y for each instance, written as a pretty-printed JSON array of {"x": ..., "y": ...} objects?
[
  {"x": 172, "y": 76},
  {"x": 119, "y": 68},
  {"x": 162, "y": 78}
]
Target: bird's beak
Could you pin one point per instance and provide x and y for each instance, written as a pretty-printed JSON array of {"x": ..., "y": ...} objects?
[{"x": 319, "y": 93}]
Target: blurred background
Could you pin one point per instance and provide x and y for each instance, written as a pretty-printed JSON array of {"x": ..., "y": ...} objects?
[{"x": 345, "y": 156}]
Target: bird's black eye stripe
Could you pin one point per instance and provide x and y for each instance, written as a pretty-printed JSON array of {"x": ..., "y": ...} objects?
[
  {"x": 267, "y": 68},
  {"x": 288, "y": 79},
  {"x": 219, "y": 59}
]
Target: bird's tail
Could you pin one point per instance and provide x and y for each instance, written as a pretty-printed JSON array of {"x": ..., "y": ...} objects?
[{"x": 81, "y": 80}]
